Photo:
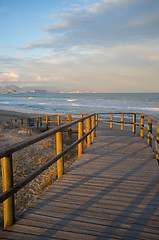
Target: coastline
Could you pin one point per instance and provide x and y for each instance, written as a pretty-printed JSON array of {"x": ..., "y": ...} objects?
[
  {"x": 6, "y": 114},
  {"x": 13, "y": 111},
  {"x": 50, "y": 104}
]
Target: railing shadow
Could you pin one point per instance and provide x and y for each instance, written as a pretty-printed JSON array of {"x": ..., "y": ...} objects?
[{"x": 86, "y": 209}]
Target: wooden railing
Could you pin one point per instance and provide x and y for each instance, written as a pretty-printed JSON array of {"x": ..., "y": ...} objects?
[
  {"x": 152, "y": 124},
  {"x": 7, "y": 197},
  {"x": 45, "y": 121},
  {"x": 91, "y": 122}
]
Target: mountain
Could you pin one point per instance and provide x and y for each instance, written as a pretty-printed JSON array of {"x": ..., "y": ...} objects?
[
  {"x": 16, "y": 89},
  {"x": 11, "y": 87}
]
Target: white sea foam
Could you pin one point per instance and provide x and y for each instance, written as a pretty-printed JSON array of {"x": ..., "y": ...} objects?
[
  {"x": 76, "y": 105},
  {"x": 31, "y": 97},
  {"x": 4, "y": 102},
  {"x": 71, "y": 100},
  {"x": 151, "y": 109},
  {"x": 155, "y": 109}
]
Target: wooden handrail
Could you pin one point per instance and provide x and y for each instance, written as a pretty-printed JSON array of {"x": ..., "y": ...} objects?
[
  {"x": 20, "y": 145},
  {"x": 91, "y": 123},
  {"x": 141, "y": 125},
  {"x": 130, "y": 113},
  {"x": 33, "y": 175},
  {"x": 8, "y": 191}
]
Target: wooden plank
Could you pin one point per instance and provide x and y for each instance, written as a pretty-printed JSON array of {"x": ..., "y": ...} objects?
[
  {"x": 19, "y": 236},
  {"x": 57, "y": 233},
  {"x": 111, "y": 192},
  {"x": 106, "y": 201},
  {"x": 108, "y": 209},
  {"x": 85, "y": 228},
  {"x": 123, "y": 199},
  {"x": 92, "y": 217},
  {"x": 86, "y": 222},
  {"x": 121, "y": 185},
  {"x": 65, "y": 189},
  {"x": 132, "y": 197}
]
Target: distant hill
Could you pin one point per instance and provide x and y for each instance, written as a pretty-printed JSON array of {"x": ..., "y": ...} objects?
[{"x": 16, "y": 89}]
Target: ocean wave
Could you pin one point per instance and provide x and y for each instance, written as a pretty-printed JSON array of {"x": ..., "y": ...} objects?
[
  {"x": 150, "y": 109},
  {"x": 31, "y": 97},
  {"x": 71, "y": 100},
  {"x": 4, "y": 102},
  {"x": 155, "y": 109},
  {"x": 76, "y": 105}
]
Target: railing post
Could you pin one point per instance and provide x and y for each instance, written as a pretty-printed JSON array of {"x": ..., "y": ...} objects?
[
  {"x": 134, "y": 121},
  {"x": 41, "y": 123},
  {"x": 69, "y": 117},
  {"x": 111, "y": 119},
  {"x": 59, "y": 148},
  {"x": 122, "y": 120},
  {"x": 88, "y": 128},
  {"x": 93, "y": 125},
  {"x": 70, "y": 130},
  {"x": 58, "y": 120},
  {"x": 96, "y": 119},
  {"x": 47, "y": 126},
  {"x": 149, "y": 140},
  {"x": 48, "y": 121},
  {"x": 92, "y": 136},
  {"x": 142, "y": 124},
  {"x": 80, "y": 134},
  {"x": 7, "y": 181}
]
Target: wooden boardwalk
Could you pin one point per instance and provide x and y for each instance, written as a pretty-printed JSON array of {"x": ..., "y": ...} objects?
[{"x": 111, "y": 192}]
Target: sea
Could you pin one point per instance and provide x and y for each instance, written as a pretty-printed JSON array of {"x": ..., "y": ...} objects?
[{"x": 56, "y": 103}]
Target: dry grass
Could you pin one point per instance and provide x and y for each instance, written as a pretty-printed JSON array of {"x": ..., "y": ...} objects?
[{"x": 31, "y": 158}]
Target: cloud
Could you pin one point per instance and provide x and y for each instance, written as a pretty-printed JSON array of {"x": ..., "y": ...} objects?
[
  {"x": 126, "y": 68},
  {"x": 9, "y": 77},
  {"x": 106, "y": 23},
  {"x": 154, "y": 58}
]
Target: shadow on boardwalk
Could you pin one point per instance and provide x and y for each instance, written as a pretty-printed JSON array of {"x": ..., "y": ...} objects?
[{"x": 111, "y": 192}]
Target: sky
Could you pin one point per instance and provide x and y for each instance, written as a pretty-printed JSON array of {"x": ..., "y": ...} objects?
[{"x": 89, "y": 45}]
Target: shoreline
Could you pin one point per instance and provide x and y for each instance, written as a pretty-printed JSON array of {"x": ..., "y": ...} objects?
[
  {"x": 14, "y": 113},
  {"x": 6, "y": 114},
  {"x": 19, "y": 111}
]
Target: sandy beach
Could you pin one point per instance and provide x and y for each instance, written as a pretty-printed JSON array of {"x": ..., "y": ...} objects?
[
  {"x": 6, "y": 115},
  {"x": 29, "y": 159}
]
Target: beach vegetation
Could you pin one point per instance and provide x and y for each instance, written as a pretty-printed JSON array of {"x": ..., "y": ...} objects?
[{"x": 31, "y": 158}]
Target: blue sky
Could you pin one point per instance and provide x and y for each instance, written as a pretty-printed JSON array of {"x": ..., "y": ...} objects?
[{"x": 97, "y": 45}]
